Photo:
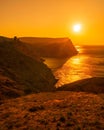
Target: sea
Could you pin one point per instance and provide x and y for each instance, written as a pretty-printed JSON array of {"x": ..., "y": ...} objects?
[{"x": 89, "y": 62}]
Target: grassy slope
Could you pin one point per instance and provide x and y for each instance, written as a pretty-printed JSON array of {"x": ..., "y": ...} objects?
[
  {"x": 9, "y": 88},
  {"x": 24, "y": 68},
  {"x": 53, "y": 111},
  {"x": 90, "y": 85}
]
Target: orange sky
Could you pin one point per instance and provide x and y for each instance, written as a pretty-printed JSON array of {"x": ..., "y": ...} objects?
[{"x": 53, "y": 18}]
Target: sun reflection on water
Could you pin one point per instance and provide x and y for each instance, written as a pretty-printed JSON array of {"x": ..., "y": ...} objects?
[
  {"x": 74, "y": 69},
  {"x": 79, "y": 49},
  {"x": 76, "y": 60}
]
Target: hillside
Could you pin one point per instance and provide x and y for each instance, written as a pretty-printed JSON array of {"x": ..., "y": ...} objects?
[
  {"x": 53, "y": 111},
  {"x": 23, "y": 67},
  {"x": 90, "y": 85},
  {"x": 51, "y": 47}
]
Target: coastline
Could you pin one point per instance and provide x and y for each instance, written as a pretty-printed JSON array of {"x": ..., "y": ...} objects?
[{"x": 34, "y": 103}]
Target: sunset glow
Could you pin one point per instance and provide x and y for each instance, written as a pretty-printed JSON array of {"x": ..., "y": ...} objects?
[
  {"x": 77, "y": 28},
  {"x": 46, "y": 18}
]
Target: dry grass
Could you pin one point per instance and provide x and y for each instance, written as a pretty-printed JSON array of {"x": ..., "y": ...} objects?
[
  {"x": 19, "y": 64},
  {"x": 53, "y": 111}
]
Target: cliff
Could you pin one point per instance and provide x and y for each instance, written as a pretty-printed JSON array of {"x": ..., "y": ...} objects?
[
  {"x": 52, "y": 47},
  {"x": 23, "y": 69}
]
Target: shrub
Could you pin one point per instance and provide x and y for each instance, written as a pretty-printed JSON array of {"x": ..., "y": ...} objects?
[{"x": 62, "y": 119}]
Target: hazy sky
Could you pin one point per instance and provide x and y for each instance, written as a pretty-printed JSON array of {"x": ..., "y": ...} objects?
[{"x": 53, "y": 18}]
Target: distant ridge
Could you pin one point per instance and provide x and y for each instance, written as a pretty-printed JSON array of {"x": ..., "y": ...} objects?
[
  {"x": 33, "y": 40},
  {"x": 51, "y": 47}
]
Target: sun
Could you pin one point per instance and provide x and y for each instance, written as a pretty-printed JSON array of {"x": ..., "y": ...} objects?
[{"x": 77, "y": 28}]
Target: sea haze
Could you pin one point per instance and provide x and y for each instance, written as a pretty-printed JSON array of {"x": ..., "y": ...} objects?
[{"x": 88, "y": 63}]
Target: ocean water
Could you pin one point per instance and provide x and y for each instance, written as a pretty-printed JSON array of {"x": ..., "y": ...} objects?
[{"x": 88, "y": 63}]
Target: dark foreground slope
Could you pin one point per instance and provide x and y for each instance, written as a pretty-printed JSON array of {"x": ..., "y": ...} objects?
[
  {"x": 53, "y": 111},
  {"x": 22, "y": 70},
  {"x": 52, "y": 47}
]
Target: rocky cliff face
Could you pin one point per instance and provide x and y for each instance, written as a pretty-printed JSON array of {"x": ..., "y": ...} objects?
[
  {"x": 23, "y": 69},
  {"x": 52, "y": 47}
]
